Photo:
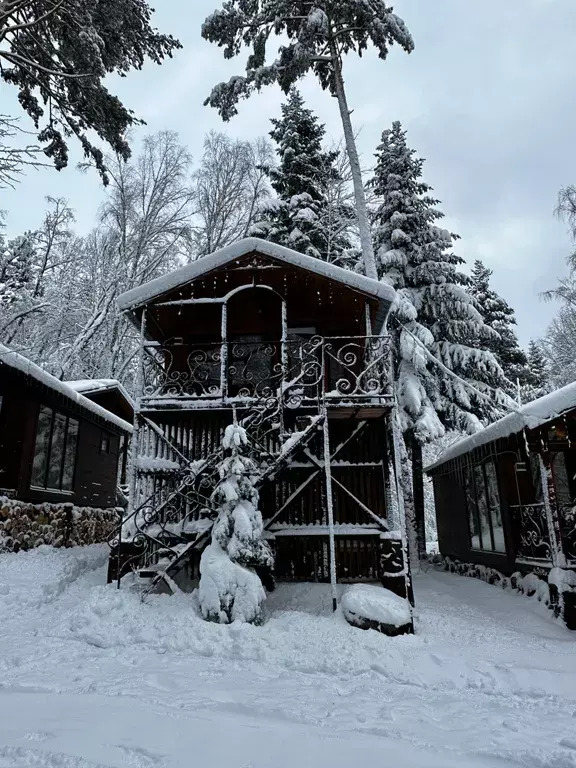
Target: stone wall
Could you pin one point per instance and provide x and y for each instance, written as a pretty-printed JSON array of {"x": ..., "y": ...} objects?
[{"x": 25, "y": 526}]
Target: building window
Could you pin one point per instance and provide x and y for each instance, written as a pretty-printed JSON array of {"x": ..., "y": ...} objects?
[
  {"x": 55, "y": 451},
  {"x": 105, "y": 443},
  {"x": 484, "y": 512}
]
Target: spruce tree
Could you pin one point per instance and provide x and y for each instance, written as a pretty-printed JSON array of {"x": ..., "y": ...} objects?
[
  {"x": 298, "y": 216},
  {"x": 499, "y": 317},
  {"x": 536, "y": 382},
  {"x": 230, "y": 588},
  {"x": 443, "y": 379},
  {"x": 16, "y": 270}
]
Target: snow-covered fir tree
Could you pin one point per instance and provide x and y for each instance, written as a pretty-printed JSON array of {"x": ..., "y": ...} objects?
[
  {"x": 443, "y": 379},
  {"x": 434, "y": 317},
  {"x": 16, "y": 270},
  {"x": 498, "y": 315},
  {"x": 536, "y": 383},
  {"x": 230, "y": 588},
  {"x": 299, "y": 216}
]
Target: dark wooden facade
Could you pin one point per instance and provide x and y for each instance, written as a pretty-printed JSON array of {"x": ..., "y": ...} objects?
[
  {"x": 509, "y": 504},
  {"x": 299, "y": 358},
  {"x": 92, "y": 461}
]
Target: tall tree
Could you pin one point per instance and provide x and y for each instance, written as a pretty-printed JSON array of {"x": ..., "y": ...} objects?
[
  {"x": 499, "y": 316},
  {"x": 320, "y": 33},
  {"x": 229, "y": 186},
  {"x": 536, "y": 383},
  {"x": 443, "y": 380},
  {"x": 57, "y": 54},
  {"x": 298, "y": 217}
]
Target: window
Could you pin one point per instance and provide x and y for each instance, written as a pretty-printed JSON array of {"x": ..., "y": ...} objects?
[
  {"x": 55, "y": 451},
  {"x": 484, "y": 512},
  {"x": 105, "y": 443}
]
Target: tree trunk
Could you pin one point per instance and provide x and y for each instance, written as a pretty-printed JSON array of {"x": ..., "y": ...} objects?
[
  {"x": 361, "y": 206},
  {"x": 418, "y": 490}
]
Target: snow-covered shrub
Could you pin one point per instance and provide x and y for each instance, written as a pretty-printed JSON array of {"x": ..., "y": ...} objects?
[{"x": 230, "y": 589}]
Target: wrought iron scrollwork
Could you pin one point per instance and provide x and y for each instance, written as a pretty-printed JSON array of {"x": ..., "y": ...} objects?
[
  {"x": 534, "y": 542},
  {"x": 358, "y": 368}
]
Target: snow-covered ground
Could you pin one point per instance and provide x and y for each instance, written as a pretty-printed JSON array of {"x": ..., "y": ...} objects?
[{"x": 91, "y": 677}]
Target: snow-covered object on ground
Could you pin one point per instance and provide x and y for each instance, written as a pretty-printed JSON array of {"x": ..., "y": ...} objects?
[
  {"x": 172, "y": 280},
  {"x": 363, "y": 603},
  {"x": 228, "y": 592},
  {"x": 20, "y": 363},
  {"x": 529, "y": 416},
  {"x": 564, "y": 580}
]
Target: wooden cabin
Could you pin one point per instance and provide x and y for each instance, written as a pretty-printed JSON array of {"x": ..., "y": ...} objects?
[
  {"x": 56, "y": 445},
  {"x": 505, "y": 497},
  {"x": 295, "y": 350}
]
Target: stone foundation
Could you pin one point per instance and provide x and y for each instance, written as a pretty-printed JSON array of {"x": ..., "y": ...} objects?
[{"x": 25, "y": 526}]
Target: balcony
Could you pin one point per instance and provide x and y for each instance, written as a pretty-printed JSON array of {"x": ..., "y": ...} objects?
[{"x": 339, "y": 371}]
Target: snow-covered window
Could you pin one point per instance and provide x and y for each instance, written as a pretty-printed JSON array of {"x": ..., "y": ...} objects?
[
  {"x": 484, "y": 511},
  {"x": 55, "y": 451}
]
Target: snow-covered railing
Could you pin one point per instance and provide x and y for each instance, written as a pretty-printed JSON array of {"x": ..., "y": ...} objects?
[
  {"x": 534, "y": 541},
  {"x": 297, "y": 372}
]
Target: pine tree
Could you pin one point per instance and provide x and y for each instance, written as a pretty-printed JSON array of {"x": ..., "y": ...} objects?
[
  {"x": 230, "y": 588},
  {"x": 16, "y": 270},
  {"x": 499, "y": 317},
  {"x": 319, "y": 35},
  {"x": 298, "y": 216},
  {"x": 536, "y": 382},
  {"x": 443, "y": 380}
]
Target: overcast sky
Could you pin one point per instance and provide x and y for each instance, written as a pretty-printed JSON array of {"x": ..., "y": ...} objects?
[{"x": 488, "y": 98}]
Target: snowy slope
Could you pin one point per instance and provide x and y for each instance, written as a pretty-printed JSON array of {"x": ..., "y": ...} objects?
[{"x": 91, "y": 677}]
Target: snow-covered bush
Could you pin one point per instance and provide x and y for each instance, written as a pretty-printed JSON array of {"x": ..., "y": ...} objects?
[{"x": 230, "y": 589}]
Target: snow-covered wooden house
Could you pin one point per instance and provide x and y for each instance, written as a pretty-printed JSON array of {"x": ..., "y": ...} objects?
[
  {"x": 61, "y": 454},
  {"x": 506, "y": 497},
  {"x": 295, "y": 350}
]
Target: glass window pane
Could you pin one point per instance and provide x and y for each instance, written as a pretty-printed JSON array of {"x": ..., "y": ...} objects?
[
  {"x": 70, "y": 457},
  {"x": 42, "y": 447},
  {"x": 56, "y": 451},
  {"x": 483, "y": 510},
  {"x": 536, "y": 479},
  {"x": 472, "y": 509},
  {"x": 561, "y": 481},
  {"x": 494, "y": 504}
]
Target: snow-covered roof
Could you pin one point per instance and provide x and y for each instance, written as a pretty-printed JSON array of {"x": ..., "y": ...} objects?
[
  {"x": 143, "y": 293},
  {"x": 528, "y": 416},
  {"x": 91, "y": 386},
  {"x": 14, "y": 360}
]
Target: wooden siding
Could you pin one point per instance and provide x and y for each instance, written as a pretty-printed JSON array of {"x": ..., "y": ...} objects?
[{"x": 95, "y": 474}]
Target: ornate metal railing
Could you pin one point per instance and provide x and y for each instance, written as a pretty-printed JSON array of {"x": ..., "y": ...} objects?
[
  {"x": 533, "y": 540},
  {"x": 568, "y": 531},
  {"x": 296, "y": 372},
  {"x": 532, "y": 527}
]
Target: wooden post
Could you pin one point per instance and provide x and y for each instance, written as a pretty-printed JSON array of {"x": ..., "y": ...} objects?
[
  {"x": 330, "y": 508},
  {"x": 418, "y": 490},
  {"x": 396, "y": 438},
  {"x": 224, "y": 353},
  {"x": 551, "y": 509}
]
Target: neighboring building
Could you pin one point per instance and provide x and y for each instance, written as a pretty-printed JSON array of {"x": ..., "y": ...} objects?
[
  {"x": 294, "y": 349},
  {"x": 110, "y": 395},
  {"x": 505, "y": 497},
  {"x": 57, "y": 445}
]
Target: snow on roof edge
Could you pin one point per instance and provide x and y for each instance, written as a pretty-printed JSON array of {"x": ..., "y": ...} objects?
[
  {"x": 172, "y": 280},
  {"x": 19, "y": 362},
  {"x": 529, "y": 416},
  {"x": 100, "y": 385}
]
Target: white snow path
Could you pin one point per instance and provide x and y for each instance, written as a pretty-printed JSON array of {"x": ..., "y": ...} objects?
[{"x": 90, "y": 677}]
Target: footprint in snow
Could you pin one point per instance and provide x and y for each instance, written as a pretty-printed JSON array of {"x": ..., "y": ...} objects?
[{"x": 568, "y": 743}]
